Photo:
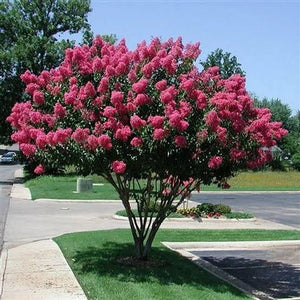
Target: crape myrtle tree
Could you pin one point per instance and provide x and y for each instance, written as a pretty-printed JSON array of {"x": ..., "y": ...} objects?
[{"x": 146, "y": 120}]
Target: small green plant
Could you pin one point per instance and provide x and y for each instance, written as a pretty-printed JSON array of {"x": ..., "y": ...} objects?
[
  {"x": 222, "y": 208},
  {"x": 206, "y": 208},
  {"x": 238, "y": 215}
]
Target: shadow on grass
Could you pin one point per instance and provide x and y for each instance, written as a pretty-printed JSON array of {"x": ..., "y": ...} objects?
[{"x": 170, "y": 269}]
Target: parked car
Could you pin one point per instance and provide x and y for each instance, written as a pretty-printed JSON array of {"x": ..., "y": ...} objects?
[{"x": 8, "y": 158}]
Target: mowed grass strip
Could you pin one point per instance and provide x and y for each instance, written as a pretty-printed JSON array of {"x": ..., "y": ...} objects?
[
  {"x": 262, "y": 181},
  {"x": 63, "y": 187},
  {"x": 95, "y": 260}
]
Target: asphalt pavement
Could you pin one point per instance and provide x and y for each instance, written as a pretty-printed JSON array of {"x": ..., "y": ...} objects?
[{"x": 6, "y": 182}]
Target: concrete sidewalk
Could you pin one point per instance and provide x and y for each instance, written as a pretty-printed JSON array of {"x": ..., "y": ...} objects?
[{"x": 32, "y": 266}]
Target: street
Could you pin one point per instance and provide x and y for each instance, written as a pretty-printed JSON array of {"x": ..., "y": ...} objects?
[
  {"x": 283, "y": 208},
  {"x": 6, "y": 181}
]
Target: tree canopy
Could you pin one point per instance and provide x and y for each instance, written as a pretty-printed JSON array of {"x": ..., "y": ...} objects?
[
  {"x": 228, "y": 65},
  {"x": 29, "y": 40},
  {"x": 146, "y": 120}
]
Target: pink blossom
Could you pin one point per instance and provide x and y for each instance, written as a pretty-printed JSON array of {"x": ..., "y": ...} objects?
[
  {"x": 215, "y": 162},
  {"x": 36, "y": 117},
  {"x": 123, "y": 133},
  {"x": 59, "y": 110},
  {"x": 89, "y": 89},
  {"x": 80, "y": 135},
  {"x": 184, "y": 109},
  {"x": 70, "y": 97},
  {"x": 166, "y": 96},
  {"x": 93, "y": 142},
  {"x": 98, "y": 101},
  {"x": 161, "y": 85},
  {"x": 147, "y": 70},
  {"x": 166, "y": 191},
  {"x": 177, "y": 122},
  {"x": 21, "y": 137},
  {"x": 39, "y": 170},
  {"x": 236, "y": 154},
  {"x": 130, "y": 107},
  {"x": 109, "y": 111},
  {"x": 60, "y": 136},
  {"x": 222, "y": 134},
  {"x": 180, "y": 141},
  {"x": 41, "y": 141},
  {"x": 38, "y": 97},
  {"x": 97, "y": 64},
  {"x": 200, "y": 100},
  {"x": 116, "y": 97},
  {"x": 212, "y": 120},
  {"x": 136, "y": 142},
  {"x": 156, "y": 121},
  {"x": 132, "y": 76},
  {"x": 105, "y": 141},
  {"x": 118, "y": 166},
  {"x": 28, "y": 149},
  {"x": 31, "y": 88},
  {"x": 28, "y": 78},
  {"x": 158, "y": 134},
  {"x": 110, "y": 71},
  {"x": 187, "y": 85},
  {"x": 141, "y": 99},
  {"x": 140, "y": 86},
  {"x": 136, "y": 122},
  {"x": 121, "y": 68},
  {"x": 103, "y": 86}
]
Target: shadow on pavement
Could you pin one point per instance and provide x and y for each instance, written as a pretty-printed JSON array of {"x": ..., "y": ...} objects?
[{"x": 277, "y": 279}]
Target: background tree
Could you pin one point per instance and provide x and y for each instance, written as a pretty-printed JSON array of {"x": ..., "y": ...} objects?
[
  {"x": 29, "y": 32},
  {"x": 228, "y": 65},
  {"x": 146, "y": 120}
]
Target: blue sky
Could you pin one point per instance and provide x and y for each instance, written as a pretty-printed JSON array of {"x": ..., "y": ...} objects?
[{"x": 264, "y": 35}]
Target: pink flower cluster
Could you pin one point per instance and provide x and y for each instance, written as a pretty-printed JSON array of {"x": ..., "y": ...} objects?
[{"x": 107, "y": 98}]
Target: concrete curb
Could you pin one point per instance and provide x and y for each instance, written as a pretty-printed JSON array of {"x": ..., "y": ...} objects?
[
  {"x": 199, "y": 220},
  {"x": 245, "y": 192},
  {"x": 3, "y": 260},
  {"x": 230, "y": 245}
]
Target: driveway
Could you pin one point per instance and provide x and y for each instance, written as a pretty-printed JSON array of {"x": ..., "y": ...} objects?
[{"x": 283, "y": 208}]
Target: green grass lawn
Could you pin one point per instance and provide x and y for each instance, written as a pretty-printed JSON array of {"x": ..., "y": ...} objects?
[
  {"x": 94, "y": 259},
  {"x": 265, "y": 181},
  {"x": 63, "y": 187}
]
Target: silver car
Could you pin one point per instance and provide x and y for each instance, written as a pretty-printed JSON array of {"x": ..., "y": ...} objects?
[{"x": 8, "y": 158}]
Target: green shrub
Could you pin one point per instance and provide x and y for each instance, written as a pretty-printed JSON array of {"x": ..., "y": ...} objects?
[
  {"x": 277, "y": 164},
  {"x": 222, "y": 208},
  {"x": 206, "y": 208},
  {"x": 296, "y": 161}
]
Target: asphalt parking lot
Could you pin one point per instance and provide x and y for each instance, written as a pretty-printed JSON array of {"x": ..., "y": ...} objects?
[{"x": 274, "y": 271}]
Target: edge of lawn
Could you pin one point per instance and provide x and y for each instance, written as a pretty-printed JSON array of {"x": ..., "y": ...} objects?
[{"x": 92, "y": 257}]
